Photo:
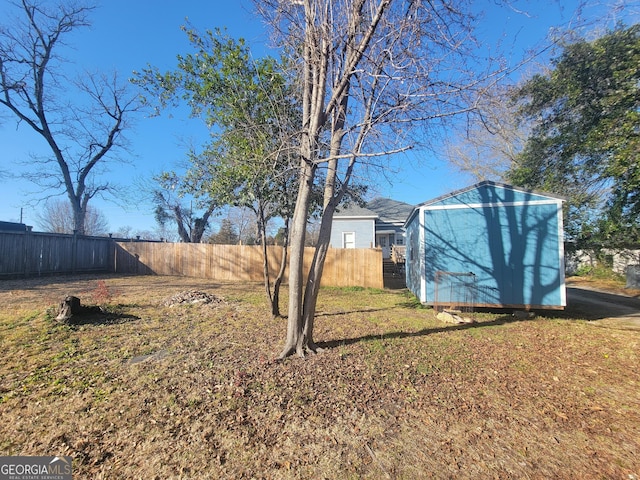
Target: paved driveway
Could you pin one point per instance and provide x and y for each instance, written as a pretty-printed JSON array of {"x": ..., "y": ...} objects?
[{"x": 604, "y": 307}]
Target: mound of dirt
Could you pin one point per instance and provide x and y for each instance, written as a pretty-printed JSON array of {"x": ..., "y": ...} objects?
[{"x": 192, "y": 297}]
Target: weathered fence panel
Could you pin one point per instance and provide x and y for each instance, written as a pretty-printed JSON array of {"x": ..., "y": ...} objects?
[
  {"x": 229, "y": 263},
  {"x": 35, "y": 253},
  {"x": 12, "y": 252},
  {"x": 93, "y": 254}
]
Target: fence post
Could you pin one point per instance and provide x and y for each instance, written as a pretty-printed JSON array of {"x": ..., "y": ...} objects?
[
  {"x": 74, "y": 252},
  {"x": 26, "y": 251},
  {"x": 111, "y": 261}
]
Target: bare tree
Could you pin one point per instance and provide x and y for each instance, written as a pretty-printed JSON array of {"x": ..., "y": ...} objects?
[
  {"x": 57, "y": 217},
  {"x": 491, "y": 139},
  {"x": 128, "y": 232},
  {"x": 168, "y": 196},
  {"x": 374, "y": 75},
  {"x": 226, "y": 235},
  {"x": 80, "y": 132},
  {"x": 244, "y": 222}
]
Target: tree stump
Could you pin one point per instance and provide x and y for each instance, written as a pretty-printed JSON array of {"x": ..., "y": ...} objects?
[{"x": 70, "y": 307}]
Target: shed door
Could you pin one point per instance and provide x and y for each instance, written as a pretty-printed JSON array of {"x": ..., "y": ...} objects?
[{"x": 348, "y": 240}]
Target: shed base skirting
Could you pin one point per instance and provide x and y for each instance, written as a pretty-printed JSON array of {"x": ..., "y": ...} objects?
[{"x": 498, "y": 305}]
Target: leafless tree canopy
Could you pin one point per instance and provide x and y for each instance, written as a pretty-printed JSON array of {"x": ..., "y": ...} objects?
[
  {"x": 400, "y": 63},
  {"x": 57, "y": 217},
  {"x": 488, "y": 142},
  {"x": 81, "y": 128}
]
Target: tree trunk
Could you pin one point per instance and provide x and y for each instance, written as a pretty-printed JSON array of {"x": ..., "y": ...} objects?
[
  {"x": 295, "y": 341},
  {"x": 262, "y": 232},
  {"x": 200, "y": 225},
  {"x": 182, "y": 231},
  {"x": 69, "y": 307},
  {"x": 314, "y": 79},
  {"x": 78, "y": 214},
  {"x": 275, "y": 307},
  {"x": 275, "y": 304},
  {"x": 315, "y": 275},
  {"x": 330, "y": 202}
]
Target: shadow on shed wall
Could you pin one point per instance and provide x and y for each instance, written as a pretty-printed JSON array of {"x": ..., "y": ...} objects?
[{"x": 512, "y": 250}]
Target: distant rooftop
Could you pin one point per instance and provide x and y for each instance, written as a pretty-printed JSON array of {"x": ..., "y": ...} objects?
[
  {"x": 12, "y": 227},
  {"x": 389, "y": 210},
  {"x": 384, "y": 209}
]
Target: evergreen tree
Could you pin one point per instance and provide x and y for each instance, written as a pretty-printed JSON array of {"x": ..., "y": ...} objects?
[{"x": 585, "y": 143}]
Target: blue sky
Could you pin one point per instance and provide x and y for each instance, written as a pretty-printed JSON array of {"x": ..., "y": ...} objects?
[{"x": 127, "y": 35}]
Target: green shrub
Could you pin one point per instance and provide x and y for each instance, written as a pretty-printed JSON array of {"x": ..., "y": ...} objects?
[{"x": 599, "y": 271}]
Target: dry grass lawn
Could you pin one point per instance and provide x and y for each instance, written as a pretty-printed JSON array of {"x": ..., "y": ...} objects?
[{"x": 148, "y": 390}]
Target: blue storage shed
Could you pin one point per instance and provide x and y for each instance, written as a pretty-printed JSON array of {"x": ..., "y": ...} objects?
[{"x": 487, "y": 245}]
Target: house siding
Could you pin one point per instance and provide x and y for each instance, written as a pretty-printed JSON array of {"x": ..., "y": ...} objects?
[
  {"x": 362, "y": 228},
  {"x": 379, "y": 224}
]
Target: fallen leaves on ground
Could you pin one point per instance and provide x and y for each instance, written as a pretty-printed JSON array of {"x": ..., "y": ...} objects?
[{"x": 193, "y": 391}]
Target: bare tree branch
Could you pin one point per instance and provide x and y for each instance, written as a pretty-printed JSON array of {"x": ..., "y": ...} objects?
[{"x": 80, "y": 134}]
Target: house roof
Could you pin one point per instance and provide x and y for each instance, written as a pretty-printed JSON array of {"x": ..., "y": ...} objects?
[
  {"x": 384, "y": 209},
  {"x": 12, "y": 226},
  {"x": 354, "y": 210},
  {"x": 390, "y": 211}
]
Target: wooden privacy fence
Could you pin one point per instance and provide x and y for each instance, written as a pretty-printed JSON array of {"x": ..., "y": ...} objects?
[
  {"x": 27, "y": 254},
  {"x": 35, "y": 253},
  {"x": 343, "y": 267}
]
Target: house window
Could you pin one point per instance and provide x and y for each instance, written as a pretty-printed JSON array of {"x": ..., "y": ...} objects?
[
  {"x": 399, "y": 240},
  {"x": 348, "y": 239}
]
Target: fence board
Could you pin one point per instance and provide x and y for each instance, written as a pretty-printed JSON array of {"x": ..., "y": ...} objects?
[{"x": 12, "y": 254}]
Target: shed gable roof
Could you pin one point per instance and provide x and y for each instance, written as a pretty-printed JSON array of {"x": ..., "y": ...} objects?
[
  {"x": 484, "y": 194},
  {"x": 488, "y": 191}
]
